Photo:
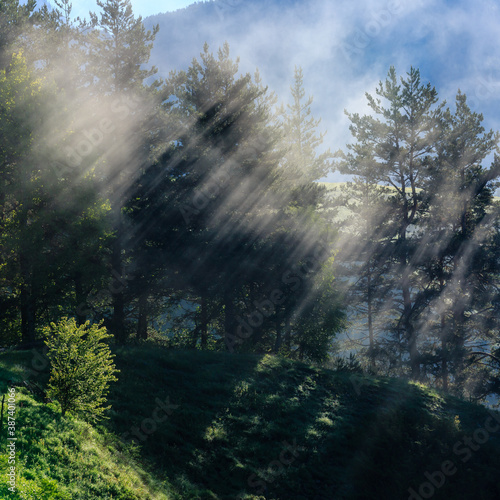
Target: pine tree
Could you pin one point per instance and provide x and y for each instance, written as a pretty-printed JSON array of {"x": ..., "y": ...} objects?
[
  {"x": 461, "y": 234},
  {"x": 224, "y": 169},
  {"x": 120, "y": 49},
  {"x": 25, "y": 189},
  {"x": 302, "y": 162},
  {"x": 14, "y": 19},
  {"x": 392, "y": 149}
]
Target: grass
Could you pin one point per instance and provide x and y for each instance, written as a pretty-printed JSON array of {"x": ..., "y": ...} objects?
[{"x": 208, "y": 425}]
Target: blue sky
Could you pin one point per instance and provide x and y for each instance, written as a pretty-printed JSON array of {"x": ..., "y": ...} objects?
[{"x": 141, "y": 7}]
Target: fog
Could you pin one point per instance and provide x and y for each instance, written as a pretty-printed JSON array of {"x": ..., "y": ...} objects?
[
  {"x": 346, "y": 48},
  {"x": 215, "y": 171}
]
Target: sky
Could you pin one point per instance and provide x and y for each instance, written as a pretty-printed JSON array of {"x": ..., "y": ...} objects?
[{"x": 143, "y": 8}]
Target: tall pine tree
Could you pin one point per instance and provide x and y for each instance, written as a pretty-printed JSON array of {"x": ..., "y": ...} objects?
[{"x": 392, "y": 148}]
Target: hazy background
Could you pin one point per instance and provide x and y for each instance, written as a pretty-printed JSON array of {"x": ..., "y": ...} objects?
[{"x": 344, "y": 47}]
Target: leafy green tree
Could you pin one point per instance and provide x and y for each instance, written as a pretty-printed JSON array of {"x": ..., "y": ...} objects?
[{"x": 81, "y": 367}]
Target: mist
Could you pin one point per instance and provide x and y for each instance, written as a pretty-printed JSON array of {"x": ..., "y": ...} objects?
[
  {"x": 345, "y": 49},
  {"x": 279, "y": 219},
  {"x": 193, "y": 183}
]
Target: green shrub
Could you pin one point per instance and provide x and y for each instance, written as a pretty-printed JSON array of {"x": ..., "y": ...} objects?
[{"x": 81, "y": 367}]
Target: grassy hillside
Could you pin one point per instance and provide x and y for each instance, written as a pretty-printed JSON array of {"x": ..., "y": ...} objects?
[{"x": 219, "y": 426}]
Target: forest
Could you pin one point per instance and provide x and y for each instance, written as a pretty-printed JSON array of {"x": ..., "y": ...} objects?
[{"x": 190, "y": 212}]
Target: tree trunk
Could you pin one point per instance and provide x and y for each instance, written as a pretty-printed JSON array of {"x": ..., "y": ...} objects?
[
  {"x": 204, "y": 321},
  {"x": 279, "y": 337},
  {"x": 288, "y": 332},
  {"x": 444, "y": 336},
  {"x": 409, "y": 212},
  {"x": 28, "y": 304},
  {"x": 444, "y": 348},
  {"x": 411, "y": 335},
  {"x": 229, "y": 324},
  {"x": 142, "y": 323},
  {"x": 371, "y": 353},
  {"x": 80, "y": 298},
  {"x": 118, "y": 320}
]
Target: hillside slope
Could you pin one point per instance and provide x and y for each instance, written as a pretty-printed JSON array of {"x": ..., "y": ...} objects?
[{"x": 217, "y": 426}]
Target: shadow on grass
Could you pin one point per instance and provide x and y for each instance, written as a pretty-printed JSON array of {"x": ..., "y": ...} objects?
[
  {"x": 250, "y": 426},
  {"x": 221, "y": 426}
]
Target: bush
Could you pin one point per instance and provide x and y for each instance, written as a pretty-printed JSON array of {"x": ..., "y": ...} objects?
[{"x": 81, "y": 367}]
